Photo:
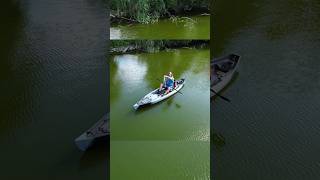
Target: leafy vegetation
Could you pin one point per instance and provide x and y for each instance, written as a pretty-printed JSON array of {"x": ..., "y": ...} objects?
[{"x": 148, "y": 11}]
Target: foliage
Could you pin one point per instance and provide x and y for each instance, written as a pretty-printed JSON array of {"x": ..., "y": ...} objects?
[{"x": 148, "y": 11}]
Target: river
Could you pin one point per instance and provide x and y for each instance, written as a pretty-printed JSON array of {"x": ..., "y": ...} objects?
[
  {"x": 168, "y": 140},
  {"x": 193, "y": 27},
  {"x": 54, "y": 79},
  {"x": 271, "y": 127}
]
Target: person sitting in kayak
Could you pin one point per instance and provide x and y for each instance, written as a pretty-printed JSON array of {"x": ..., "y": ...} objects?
[{"x": 168, "y": 83}]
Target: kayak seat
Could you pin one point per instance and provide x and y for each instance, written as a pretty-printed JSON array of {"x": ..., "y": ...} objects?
[
  {"x": 226, "y": 67},
  {"x": 221, "y": 68}
]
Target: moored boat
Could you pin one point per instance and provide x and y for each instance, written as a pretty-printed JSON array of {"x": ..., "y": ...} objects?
[
  {"x": 158, "y": 95},
  {"x": 99, "y": 131},
  {"x": 222, "y": 71}
]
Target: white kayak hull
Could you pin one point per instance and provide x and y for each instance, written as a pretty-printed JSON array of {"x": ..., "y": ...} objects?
[{"x": 153, "y": 97}]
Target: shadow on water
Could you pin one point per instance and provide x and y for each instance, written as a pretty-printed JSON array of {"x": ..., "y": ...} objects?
[
  {"x": 98, "y": 154},
  {"x": 12, "y": 18},
  {"x": 178, "y": 105},
  {"x": 13, "y": 87}
]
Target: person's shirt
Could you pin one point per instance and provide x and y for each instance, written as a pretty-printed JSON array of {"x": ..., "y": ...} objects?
[{"x": 169, "y": 81}]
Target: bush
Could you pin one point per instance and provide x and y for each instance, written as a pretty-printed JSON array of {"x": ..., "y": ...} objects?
[{"x": 147, "y": 11}]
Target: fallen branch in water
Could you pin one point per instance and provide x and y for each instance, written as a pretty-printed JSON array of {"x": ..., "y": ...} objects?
[
  {"x": 192, "y": 20},
  {"x": 115, "y": 18},
  {"x": 205, "y": 14}
]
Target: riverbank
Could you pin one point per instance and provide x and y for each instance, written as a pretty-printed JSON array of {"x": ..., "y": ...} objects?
[
  {"x": 158, "y": 19},
  {"x": 190, "y": 27},
  {"x": 147, "y": 11},
  {"x": 115, "y": 20},
  {"x": 145, "y": 46}
]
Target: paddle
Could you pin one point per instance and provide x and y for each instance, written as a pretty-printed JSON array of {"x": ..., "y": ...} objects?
[
  {"x": 222, "y": 97},
  {"x": 178, "y": 91},
  {"x": 173, "y": 88}
]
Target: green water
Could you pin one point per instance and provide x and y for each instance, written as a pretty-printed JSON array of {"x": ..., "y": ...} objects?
[
  {"x": 168, "y": 140},
  {"x": 164, "y": 29}
]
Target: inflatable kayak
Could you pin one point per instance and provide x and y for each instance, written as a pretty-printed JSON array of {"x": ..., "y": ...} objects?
[{"x": 158, "y": 95}]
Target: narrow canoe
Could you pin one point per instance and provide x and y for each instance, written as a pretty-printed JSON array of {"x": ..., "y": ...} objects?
[
  {"x": 222, "y": 71},
  {"x": 157, "y": 96},
  {"x": 99, "y": 131}
]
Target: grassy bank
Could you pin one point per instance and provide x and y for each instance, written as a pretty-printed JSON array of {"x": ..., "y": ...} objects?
[
  {"x": 139, "y": 46},
  {"x": 148, "y": 11}
]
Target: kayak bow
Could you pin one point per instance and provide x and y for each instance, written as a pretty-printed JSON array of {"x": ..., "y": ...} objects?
[{"x": 99, "y": 131}]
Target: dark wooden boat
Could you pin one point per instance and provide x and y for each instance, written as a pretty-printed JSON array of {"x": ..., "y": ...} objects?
[{"x": 222, "y": 71}]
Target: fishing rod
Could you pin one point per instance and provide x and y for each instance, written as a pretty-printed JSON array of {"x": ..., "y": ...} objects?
[{"x": 173, "y": 88}]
